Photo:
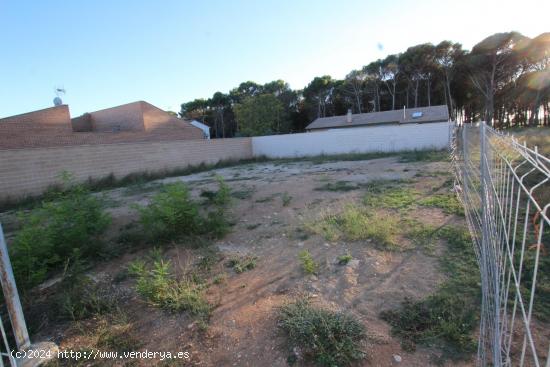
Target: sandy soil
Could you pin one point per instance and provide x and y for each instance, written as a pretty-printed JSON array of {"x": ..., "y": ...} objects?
[{"x": 243, "y": 329}]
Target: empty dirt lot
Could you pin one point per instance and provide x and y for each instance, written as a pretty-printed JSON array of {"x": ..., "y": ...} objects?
[{"x": 278, "y": 210}]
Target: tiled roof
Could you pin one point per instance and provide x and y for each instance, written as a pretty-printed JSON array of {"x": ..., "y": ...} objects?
[{"x": 425, "y": 114}]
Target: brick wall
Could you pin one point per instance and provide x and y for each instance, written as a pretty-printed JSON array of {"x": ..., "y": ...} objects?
[
  {"x": 31, "y": 171},
  {"x": 123, "y": 124},
  {"x": 57, "y": 117}
]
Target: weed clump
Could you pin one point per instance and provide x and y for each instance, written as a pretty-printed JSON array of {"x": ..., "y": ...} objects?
[
  {"x": 356, "y": 224},
  {"x": 344, "y": 259},
  {"x": 157, "y": 285},
  {"x": 67, "y": 226},
  {"x": 308, "y": 264},
  {"x": 240, "y": 265},
  {"x": 326, "y": 337}
]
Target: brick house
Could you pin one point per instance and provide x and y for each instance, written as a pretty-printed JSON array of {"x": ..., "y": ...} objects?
[{"x": 133, "y": 122}]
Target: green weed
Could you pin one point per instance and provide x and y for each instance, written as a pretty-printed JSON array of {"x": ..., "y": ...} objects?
[
  {"x": 357, "y": 224},
  {"x": 447, "y": 202},
  {"x": 157, "y": 285},
  {"x": 308, "y": 264},
  {"x": 242, "y": 264},
  {"x": 425, "y": 156},
  {"x": 286, "y": 199},
  {"x": 389, "y": 194},
  {"x": 172, "y": 214},
  {"x": 447, "y": 318},
  {"x": 70, "y": 224},
  {"x": 328, "y": 338},
  {"x": 338, "y": 186},
  {"x": 344, "y": 259}
]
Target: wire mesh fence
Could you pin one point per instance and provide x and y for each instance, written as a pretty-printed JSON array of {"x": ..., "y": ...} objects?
[{"x": 505, "y": 189}]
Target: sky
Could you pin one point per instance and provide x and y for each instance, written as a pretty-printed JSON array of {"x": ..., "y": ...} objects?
[{"x": 166, "y": 52}]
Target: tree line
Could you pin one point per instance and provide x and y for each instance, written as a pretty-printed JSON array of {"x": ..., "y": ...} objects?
[{"x": 504, "y": 79}]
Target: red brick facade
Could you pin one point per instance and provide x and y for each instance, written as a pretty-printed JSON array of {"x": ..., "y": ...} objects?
[{"x": 133, "y": 122}]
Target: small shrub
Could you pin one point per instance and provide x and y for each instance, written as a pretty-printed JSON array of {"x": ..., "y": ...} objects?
[
  {"x": 240, "y": 265},
  {"x": 308, "y": 264},
  {"x": 326, "y": 337},
  {"x": 172, "y": 214},
  {"x": 219, "y": 279},
  {"x": 71, "y": 222},
  {"x": 286, "y": 199},
  {"x": 344, "y": 259},
  {"x": 159, "y": 287}
]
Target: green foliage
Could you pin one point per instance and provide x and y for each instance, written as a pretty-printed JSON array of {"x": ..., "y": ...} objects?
[
  {"x": 326, "y": 337},
  {"x": 443, "y": 320},
  {"x": 338, "y": 186},
  {"x": 308, "y": 264},
  {"x": 116, "y": 337},
  {"x": 157, "y": 285},
  {"x": 286, "y": 199},
  {"x": 344, "y": 259},
  {"x": 356, "y": 224},
  {"x": 448, "y": 202},
  {"x": 261, "y": 115},
  {"x": 447, "y": 318},
  {"x": 242, "y": 264},
  {"x": 69, "y": 224},
  {"x": 425, "y": 156},
  {"x": 389, "y": 194},
  {"x": 81, "y": 297},
  {"x": 172, "y": 214}
]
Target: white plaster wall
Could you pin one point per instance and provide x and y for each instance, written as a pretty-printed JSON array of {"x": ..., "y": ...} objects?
[{"x": 384, "y": 138}]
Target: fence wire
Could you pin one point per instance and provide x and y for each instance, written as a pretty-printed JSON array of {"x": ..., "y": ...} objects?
[{"x": 505, "y": 189}]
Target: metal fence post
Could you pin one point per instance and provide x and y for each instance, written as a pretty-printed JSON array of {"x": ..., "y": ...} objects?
[{"x": 11, "y": 297}]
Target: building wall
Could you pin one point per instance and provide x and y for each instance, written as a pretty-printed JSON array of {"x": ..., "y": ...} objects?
[
  {"x": 32, "y": 171},
  {"x": 128, "y": 117},
  {"x": 54, "y": 117},
  {"x": 384, "y": 138}
]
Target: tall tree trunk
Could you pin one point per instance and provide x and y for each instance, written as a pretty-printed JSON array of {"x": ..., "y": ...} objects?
[
  {"x": 393, "y": 97},
  {"x": 429, "y": 93},
  {"x": 448, "y": 84},
  {"x": 417, "y": 82}
]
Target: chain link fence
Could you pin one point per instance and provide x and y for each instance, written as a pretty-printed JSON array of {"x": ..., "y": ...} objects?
[{"x": 505, "y": 189}]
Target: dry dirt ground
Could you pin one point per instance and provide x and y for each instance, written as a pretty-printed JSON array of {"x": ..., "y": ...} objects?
[{"x": 243, "y": 327}]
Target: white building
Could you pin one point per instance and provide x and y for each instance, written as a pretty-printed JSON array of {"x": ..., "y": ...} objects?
[{"x": 205, "y": 128}]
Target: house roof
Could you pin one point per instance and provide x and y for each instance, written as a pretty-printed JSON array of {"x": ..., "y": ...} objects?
[
  {"x": 427, "y": 114},
  {"x": 199, "y": 124}
]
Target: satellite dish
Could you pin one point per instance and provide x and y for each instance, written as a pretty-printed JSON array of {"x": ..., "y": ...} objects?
[{"x": 59, "y": 91}]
